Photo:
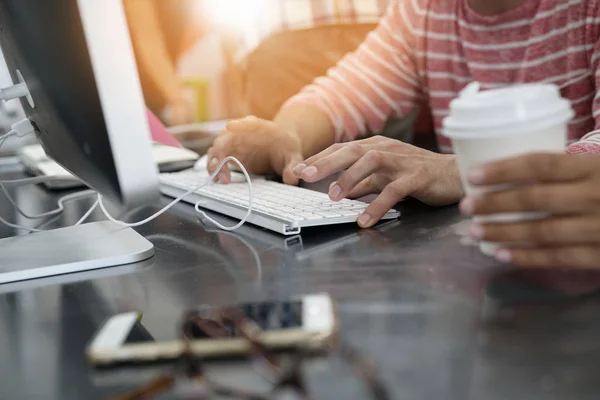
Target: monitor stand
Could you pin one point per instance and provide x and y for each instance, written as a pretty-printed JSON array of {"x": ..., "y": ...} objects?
[{"x": 73, "y": 249}]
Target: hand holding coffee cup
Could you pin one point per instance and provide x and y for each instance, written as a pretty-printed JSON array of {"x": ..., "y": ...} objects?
[
  {"x": 493, "y": 125},
  {"x": 564, "y": 186}
]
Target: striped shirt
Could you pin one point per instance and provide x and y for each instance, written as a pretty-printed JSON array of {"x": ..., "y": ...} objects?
[
  {"x": 305, "y": 14},
  {"x": 424, "y": 52},
  {"x": 285, "y": 15}
]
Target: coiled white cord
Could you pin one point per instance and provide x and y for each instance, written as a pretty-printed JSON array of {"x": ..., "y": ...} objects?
[
  {"x": 198, "y": 204},
  {"x": 24, "y": 127}
]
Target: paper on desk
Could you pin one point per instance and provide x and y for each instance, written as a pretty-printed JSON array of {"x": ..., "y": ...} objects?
[{"x": 159, "y": 132}]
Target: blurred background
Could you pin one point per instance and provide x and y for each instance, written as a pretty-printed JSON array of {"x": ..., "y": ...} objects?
[
  {"x": 206, "y": 60},
  {"x": 213, "y": 60}
]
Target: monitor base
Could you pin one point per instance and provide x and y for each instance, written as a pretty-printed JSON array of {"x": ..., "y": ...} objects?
[{"x": 73, "y": 249}]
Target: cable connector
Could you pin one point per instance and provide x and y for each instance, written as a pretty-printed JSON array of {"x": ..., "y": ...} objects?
[
  {"x": 22, "y": 128},
  {"x": 14, "y": 92}
]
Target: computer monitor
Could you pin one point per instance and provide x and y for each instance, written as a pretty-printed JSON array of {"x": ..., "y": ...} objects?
[
  {"x": 77, "y": 60},
  {"x": 87, "y": 107}
]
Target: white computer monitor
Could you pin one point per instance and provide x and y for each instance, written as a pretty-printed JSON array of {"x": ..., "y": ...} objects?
[
  {"x": 87, "y": 107},
  {"x": 77, "y": 59}
]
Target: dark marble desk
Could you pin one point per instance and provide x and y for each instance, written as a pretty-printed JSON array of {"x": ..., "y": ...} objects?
[{"x": 439, "y": 320}]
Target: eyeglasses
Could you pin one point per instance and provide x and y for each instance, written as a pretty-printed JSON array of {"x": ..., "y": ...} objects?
[{"x": 284, "y": 376}]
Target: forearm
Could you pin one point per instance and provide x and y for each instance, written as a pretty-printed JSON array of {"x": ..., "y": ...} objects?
[
  {"x": 362, "y": 91},
  {"x": 310, "y": 124}
]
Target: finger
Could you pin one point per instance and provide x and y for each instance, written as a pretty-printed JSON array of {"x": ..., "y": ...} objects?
[
  {"x": 367, "y": 143},
  {"x": 212, "y": 164},
  {"x": 562, "y": 198},
  {"x": 218, "y": 152},
  {"x": 372, "y": 185},
  {"x": 332, "y": 163},
  {"x": 533, "y": 168},
  {"x": 298, "y": 169},
  {"x": 291, "y": 161},
  {"x": 359, "y": 171},
  {"x": 209, "y": 157},
  {"x": 568, "y": 230},
  {"x": 224, "y": 174},
  {"x": 364, "y": 188},
  {"x": 577, "y": 256},
  {"x": 391, "y": 195}
]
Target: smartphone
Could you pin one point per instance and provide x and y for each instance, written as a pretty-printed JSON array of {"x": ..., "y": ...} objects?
[{"x": 308, "y": 322}]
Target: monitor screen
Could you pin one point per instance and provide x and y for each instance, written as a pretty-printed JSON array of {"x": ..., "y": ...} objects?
[{"x": 76, "y": 58}]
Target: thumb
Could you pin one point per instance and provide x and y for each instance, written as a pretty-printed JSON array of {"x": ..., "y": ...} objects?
[{"x": 291, "y": 161}]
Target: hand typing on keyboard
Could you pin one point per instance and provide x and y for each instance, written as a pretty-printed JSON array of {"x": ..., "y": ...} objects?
[
  {"x": 276, "y": 206},
  {"x": 389, "y": 168},
  {"x": 263, "y": 147}
]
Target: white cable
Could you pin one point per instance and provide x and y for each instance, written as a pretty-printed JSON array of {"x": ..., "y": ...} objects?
[
  {"x": 14, "y": 92},
  {"x": 7, "y": 135},
  {"x": 61, "y": 201},
  {"x": 88, "y": 213},
  {"x": 11, "y": 225},
  {"x": 23, "y": 128},
  {"x": 5, "y": 222},
  {"x": 50, "y": 213},
  {"x": 197, "y": 206},
  {"x": 31, "y": 181}
]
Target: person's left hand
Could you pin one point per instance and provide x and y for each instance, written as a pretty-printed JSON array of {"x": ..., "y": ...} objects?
[
  {"x": 565, "y": 186},
  {"x": 386, "y": 166}
]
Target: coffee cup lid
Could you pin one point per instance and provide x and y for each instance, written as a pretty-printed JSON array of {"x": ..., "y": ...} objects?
[{"x": 516, "y": 109}]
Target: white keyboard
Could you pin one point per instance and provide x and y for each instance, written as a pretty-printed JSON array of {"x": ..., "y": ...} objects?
[{"x": 281, "y": 208}]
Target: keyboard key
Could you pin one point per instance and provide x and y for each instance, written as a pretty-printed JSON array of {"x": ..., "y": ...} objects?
[
  {"x": 307, "y": 215},
  {"x": 346, "y": 213},
  {"x": 328, "y": 214}
]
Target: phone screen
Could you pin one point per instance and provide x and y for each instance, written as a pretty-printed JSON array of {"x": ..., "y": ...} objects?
[{"x": 268, "y": 316}]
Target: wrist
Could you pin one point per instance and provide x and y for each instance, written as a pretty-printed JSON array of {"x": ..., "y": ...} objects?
[
  {"x": 308, "y": 125},
  {"x": 290, "y": 133},
  {"x": 454, "y": 178}
]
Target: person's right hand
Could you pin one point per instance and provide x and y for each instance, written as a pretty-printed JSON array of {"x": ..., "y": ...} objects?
[{"x": 262, "y": 146}]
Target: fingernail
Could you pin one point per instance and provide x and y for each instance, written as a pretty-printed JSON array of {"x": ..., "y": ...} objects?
[
  {"x": 213, "y": 163},
  {"x": 467, "y": 206},
  {"x": 476, "y": 176},
  {"x": 310, "y": 172},
  {"x": 335, "y": 192},
  {"x": 477, "y": 231},
  {"x": 504, "y": 256},
  {"x": 364, "y": 220},
  {"x": 299, "y": 168}
]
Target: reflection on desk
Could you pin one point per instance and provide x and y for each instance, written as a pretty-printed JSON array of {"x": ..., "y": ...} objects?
[{"x": 412, "y": 297}]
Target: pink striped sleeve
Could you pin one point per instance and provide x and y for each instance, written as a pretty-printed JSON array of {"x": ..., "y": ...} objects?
[
  {"x": 590, "y": 143},
  {"x": 377, "y": 80}
]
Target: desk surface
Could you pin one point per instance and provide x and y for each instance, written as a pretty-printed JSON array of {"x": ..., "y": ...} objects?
[{"x": 439, "y": 320}]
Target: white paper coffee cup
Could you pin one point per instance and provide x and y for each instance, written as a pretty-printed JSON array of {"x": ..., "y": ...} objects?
[{"x": 497, "y": 124}]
